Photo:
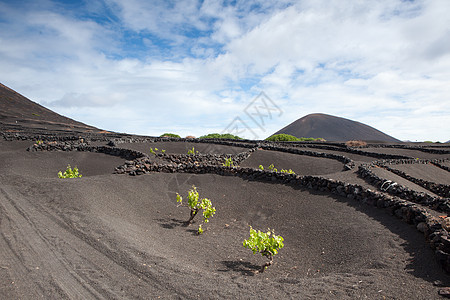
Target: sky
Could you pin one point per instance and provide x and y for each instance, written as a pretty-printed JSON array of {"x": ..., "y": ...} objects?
[{"x": 245, "y": 67}]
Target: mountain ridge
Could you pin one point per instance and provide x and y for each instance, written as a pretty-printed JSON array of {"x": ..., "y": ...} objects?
[
  {"x": 332, "y": 128},
  {"x": 17, "y": 110}
]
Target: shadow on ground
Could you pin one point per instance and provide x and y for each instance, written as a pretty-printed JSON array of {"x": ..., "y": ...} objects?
[{"x": 243, "y": 267}]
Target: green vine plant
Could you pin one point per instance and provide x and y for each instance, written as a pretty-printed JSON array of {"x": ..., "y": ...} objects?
[
  {"x": 195, "y": 204},
  {"x": 70, "y": 173},
  {"x": 273, "y": 169},
  {"x": 265, "y": 243},
  {"x": 192, "y": 152},
  {"x": 154, "y": 151},
  {"x": 228, "y": 162}
]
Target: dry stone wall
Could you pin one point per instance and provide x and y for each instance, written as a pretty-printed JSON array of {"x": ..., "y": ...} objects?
[{"x": 393, "y": 188}]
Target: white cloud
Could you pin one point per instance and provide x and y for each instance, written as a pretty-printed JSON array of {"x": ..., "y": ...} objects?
[{"x": 384, "y": 63}]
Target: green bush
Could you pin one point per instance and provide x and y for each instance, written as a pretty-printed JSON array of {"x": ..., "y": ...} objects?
[
  {"x": 192, "y": 151},
  {"x": 220, "y": 136},
  {"x": 69, "y": 173},
  {"x": 170, "y": 135},
  {"x": 303, "y": 139},
  {"x": 153, "y": 151},
  {"x": 195, "y": 204},
  {"x": 228, "y": 162},
  {"x": 265, "y": 243},
  {"x": 273, "y": 169},
  {"x": 282, "y": 137}
]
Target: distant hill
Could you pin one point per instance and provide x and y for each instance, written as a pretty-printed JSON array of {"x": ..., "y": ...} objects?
[
  {"x": 334, "y": 128},
  {"x": 19, "y": 111}
]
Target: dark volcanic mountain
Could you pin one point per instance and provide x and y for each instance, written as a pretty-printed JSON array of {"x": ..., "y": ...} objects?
[
  {"x": 334, "y": 128},
  {"x": 17, "y": 111}
]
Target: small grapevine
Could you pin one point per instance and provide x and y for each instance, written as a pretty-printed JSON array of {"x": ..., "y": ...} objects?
[
  {"x": 196, "y": 204},
  {"x": 70, "y": 173},
  {"x": 154, "y": 151},
  {"x": 273, "y": 169},
  {"x": 287, "y": 171},
  {"x": 192, "y": 152},
  {"x": 228, "y": 162},
  {"x": 265, "y": 243}
]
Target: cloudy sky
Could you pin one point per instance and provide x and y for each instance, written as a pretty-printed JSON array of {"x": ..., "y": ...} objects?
[{"x": 196, "y": 67}]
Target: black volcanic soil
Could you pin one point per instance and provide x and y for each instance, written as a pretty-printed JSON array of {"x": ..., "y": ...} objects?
[
  {"x": 300, "y": 164},
  {"x": 427, "y": 172},
  {"x": 383, "y": 173},
  {"x": 182, "y": 148},
  {"x": 355, "y": 157},
  {"x": 406, "y": 152},
  {"x": 118, "y": 236}
]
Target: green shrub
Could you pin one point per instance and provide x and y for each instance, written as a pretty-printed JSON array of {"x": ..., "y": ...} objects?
[
  {"x": 192, "y": 152},
  {"x": 70, "y": 173},
  {"x": 195, "y": 204},
  {"x": 170, "y": 135},
  {"x": 154, "y": 151},
  {"x": 228, "y": 162},
  {"x": 282, "y": 137},
  {"x": 273, "y": 169},
  {"x": 265, "y": 243},
  {"x": 220, "y": 136}
]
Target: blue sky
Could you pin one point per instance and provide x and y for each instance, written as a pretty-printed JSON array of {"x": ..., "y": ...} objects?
[{"x": 195, "y": 67}]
